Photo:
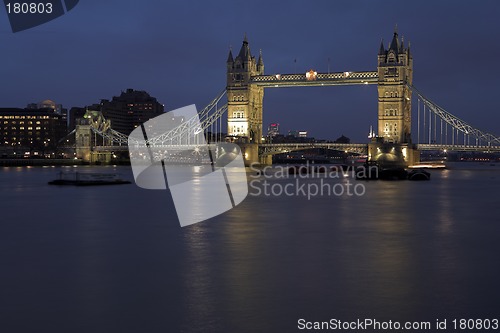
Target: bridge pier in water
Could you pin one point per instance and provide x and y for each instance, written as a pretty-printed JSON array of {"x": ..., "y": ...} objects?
[
  {"x": 100, "y": 157},
  {"x": 250, "y": 152},
  {"x": 393, "y": 154},
  {"x": 266, "y": 159}
]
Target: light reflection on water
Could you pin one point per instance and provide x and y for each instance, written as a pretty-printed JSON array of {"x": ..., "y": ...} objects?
[{"x": 115, "y": 259}]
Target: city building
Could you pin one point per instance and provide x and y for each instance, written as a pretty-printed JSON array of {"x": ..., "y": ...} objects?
[
  {"x": 273, "y": 129},
  {"x": 31, "y": 130},
  {"x": 129, "y": 110},
  {"x": 298, "y": 134},
  {"x": 74, "y": 114},
  {"x": 49, "y": 104}
]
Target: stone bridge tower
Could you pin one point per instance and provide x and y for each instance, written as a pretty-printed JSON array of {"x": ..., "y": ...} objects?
[
  {"x": 83, "y": 139},
  {"x": 395, "y": 72},
  {"x": 244, "y": 111}
]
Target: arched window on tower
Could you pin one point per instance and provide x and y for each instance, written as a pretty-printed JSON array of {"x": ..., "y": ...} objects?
[{"x": 391, "y": 57}]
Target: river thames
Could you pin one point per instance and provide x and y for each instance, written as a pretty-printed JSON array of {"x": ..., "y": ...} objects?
[{"x": 114, "y": 259}]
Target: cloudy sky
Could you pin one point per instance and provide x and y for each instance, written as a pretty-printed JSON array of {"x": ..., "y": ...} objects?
[{"x": 176, "y": 50}]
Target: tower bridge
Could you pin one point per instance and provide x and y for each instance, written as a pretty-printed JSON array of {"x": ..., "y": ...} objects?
[{"x": 437, "y": 129}]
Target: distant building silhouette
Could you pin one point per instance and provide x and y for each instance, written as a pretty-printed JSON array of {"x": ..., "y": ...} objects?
[
  {"x": 129, "y": 110},
  {"x": 74, "y": 114},
  {"x": 342, "y": 139}
]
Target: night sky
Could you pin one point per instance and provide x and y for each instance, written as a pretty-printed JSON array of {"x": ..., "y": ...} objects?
[{"x": 176, "y": 50}]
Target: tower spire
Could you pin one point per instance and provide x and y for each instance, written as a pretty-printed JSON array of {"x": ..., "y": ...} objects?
[
  {"x": 382, "y": 49},
  {"x": 260, "y": 63},
  {"x": 395, "y": 41},
  {"x": 230, "y": 56},
  {"x": 245, "y": 54}
]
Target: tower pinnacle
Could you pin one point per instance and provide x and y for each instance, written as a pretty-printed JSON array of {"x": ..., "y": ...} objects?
[
  {"x": 245, "y": 54},
  {"x": 382, "y": 49}
]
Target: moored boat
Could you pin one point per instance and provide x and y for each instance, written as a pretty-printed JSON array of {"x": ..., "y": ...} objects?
[
  {"x": 393, "y": 173},
  {"x": 88, "y": 179}
]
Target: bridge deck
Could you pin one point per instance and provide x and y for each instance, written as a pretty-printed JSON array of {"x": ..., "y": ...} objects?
[
  {"x": 275, "y": 148},
  {"x": 278, "y": 148},
  {"x": 458, "y": 147},
  {"x": 317, "y": 79}
]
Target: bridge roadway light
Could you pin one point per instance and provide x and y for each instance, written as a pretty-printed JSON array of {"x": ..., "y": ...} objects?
[{"x": 311, "y": 75}]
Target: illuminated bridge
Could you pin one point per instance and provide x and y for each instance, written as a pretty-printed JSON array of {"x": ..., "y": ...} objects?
[{"x": 434, "y": 128}]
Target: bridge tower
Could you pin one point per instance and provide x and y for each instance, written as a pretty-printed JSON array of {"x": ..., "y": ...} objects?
[
  {"x": 244, "y": 113},
  {"x": 395, "y": 72},
  {"x": 83, "y": 139}
]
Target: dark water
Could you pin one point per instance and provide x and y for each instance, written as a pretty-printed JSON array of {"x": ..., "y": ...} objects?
[{"x": 114, "y": 259}]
